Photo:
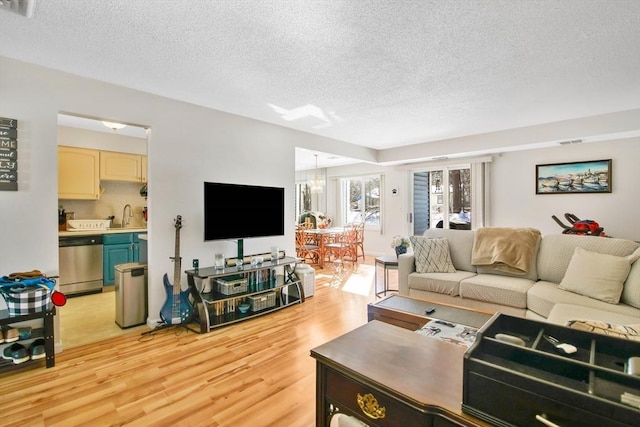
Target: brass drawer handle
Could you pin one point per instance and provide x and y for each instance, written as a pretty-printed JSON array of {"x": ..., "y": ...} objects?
[{"x": 370, "y": 407}]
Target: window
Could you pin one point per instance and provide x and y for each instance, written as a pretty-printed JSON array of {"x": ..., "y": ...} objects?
[
  {"x": 360, "y": 200},
  {"x": 302, "y": 198}
]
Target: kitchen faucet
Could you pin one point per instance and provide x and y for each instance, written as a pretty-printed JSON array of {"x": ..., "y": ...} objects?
[{"x": 125, "y": 218}]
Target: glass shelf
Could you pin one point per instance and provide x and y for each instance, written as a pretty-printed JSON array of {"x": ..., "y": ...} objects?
[
  {"x": 215, "y": 309},
  {"x": 212, "y": 272}
]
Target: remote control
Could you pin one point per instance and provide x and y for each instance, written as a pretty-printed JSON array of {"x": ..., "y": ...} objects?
[{"x": 442, "y": 322}]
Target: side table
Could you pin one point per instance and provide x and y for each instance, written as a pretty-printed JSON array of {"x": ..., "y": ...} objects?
[{"x": 387, "y": 262}]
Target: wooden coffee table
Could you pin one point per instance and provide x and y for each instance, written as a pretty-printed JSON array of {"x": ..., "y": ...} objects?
[{"x": 410, "y": 313}]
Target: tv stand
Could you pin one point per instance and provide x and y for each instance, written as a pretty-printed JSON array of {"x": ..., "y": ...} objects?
[
  {"x": 267, "y": 287},
  {"x": 240, "y": 249}
]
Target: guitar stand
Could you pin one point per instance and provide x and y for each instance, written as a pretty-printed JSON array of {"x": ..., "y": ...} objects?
[
  {"x": 185, "y": 326},
  {"x": 162, "y": 326}
]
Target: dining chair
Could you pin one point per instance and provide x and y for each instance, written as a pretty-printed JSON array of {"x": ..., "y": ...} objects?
[
  {"x": 310, "y": 238},
  {"x": 304, "y": 250},
  {"x": 308, "y": 218},
  {"x": 344, "y": 246},
  {"x": 359, "y": 249},
  {"x": 340, "y": 250}
]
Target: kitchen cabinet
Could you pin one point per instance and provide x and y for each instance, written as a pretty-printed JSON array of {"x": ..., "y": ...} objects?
[
  {"x": 122, "y": 167},
  {"x": 144, "y": 169},
  {"x": 118, "y": 248},
  {"x": 135, "y": 248},
  {"x": 78, "y": 173}
]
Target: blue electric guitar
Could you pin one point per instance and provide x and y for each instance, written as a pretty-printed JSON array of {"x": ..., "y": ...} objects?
[{"x": 176, "y": 309}]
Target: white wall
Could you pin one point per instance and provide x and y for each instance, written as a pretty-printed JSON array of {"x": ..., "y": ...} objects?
[
  {"x": 187, "y": 145},
  {"x": 514, "y": 202},
  {"x": 84, "y": 138}
]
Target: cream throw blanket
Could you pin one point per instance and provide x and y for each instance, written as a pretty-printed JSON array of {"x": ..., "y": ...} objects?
[{"x": 505, "y": 249}]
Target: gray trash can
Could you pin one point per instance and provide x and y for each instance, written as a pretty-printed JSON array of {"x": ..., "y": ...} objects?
[
  {"x": 131, "y": 294},
  {"x": 307, "y": 276}
]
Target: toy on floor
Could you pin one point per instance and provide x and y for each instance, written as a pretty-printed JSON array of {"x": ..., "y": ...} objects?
[{"x": 579, "y": 226}]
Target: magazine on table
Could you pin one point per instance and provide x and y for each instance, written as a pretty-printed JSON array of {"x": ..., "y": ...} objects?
[{"x": 454, "y": 333}]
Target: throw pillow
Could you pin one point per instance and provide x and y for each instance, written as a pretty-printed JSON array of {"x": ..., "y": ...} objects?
[
  {"x": 432, "y": 255},
  {"x": 630, "y": 332},
  {"x": 596, "y": 275}
]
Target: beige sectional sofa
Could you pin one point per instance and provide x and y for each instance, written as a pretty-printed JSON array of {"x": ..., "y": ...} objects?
[{"x": 588, "y": 292}]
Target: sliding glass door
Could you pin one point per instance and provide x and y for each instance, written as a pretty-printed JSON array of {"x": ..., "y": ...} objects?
[{"x": 442, "y": 198}]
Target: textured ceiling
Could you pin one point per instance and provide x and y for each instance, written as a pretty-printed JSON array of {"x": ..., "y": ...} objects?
[{"x": 374, "y": 73}]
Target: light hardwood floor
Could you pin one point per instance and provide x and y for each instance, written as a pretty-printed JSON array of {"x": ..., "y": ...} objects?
[
  {"x": 90, "y": 318},
  {"x": 256, "y": 373}
]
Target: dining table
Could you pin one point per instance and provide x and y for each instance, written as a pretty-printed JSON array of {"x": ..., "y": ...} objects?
[{"x": 322, "y": 237}]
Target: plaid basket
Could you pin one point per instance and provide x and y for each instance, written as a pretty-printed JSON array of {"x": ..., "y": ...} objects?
[{"x": 26, "y": 297}]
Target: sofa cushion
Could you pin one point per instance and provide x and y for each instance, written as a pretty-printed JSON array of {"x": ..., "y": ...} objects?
[
  {"x": 631, "y": 290},
  {"x": 556, "y": 251},
  {"x": 432, "y": 255},
  {"x": 544, "y": 296},
  {"x": 511, "y": 291},
  {"x": 595, "y": 275},
  {"x": 442, "y": 283},
  {"x": 563, "y": 313},
  {"x": 460, "y": 244},
  {"x": 540, "y": 298},
  {"x": 630, "y": 332}
]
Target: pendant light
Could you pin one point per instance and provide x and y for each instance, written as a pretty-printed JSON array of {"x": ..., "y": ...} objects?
[{"x": 316, "y": 182}]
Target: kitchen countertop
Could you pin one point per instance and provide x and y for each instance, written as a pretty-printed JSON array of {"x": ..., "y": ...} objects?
[{"x": 101, "y": 232}]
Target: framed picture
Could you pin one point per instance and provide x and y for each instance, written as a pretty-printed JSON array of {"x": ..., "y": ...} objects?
[{"x": 575, "y": 177}]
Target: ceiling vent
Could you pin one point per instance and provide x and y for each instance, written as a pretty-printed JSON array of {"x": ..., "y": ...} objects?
[
  {"x": 21, "y": 7},
  {"x": 574, "y": 141}
]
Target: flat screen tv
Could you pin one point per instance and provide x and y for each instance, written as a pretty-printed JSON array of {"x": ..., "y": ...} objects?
[{"x": 234, "y": 211}]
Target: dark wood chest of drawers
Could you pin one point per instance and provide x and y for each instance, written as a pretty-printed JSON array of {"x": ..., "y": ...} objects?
[{"x": 388, "y": 376}]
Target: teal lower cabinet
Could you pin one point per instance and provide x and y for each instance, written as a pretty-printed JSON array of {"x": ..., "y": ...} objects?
[
  {"x": 136, "y": 247},
  {"x": 118, "y": 248}
]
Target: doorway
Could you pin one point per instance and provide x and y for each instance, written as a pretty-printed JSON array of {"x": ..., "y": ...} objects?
[
  {"x": 91, "y": 317},
  {"x": 442, "y": 198}
]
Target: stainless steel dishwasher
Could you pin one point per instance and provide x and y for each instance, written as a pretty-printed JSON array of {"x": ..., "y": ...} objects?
[{"x": 80, "y": 262}]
